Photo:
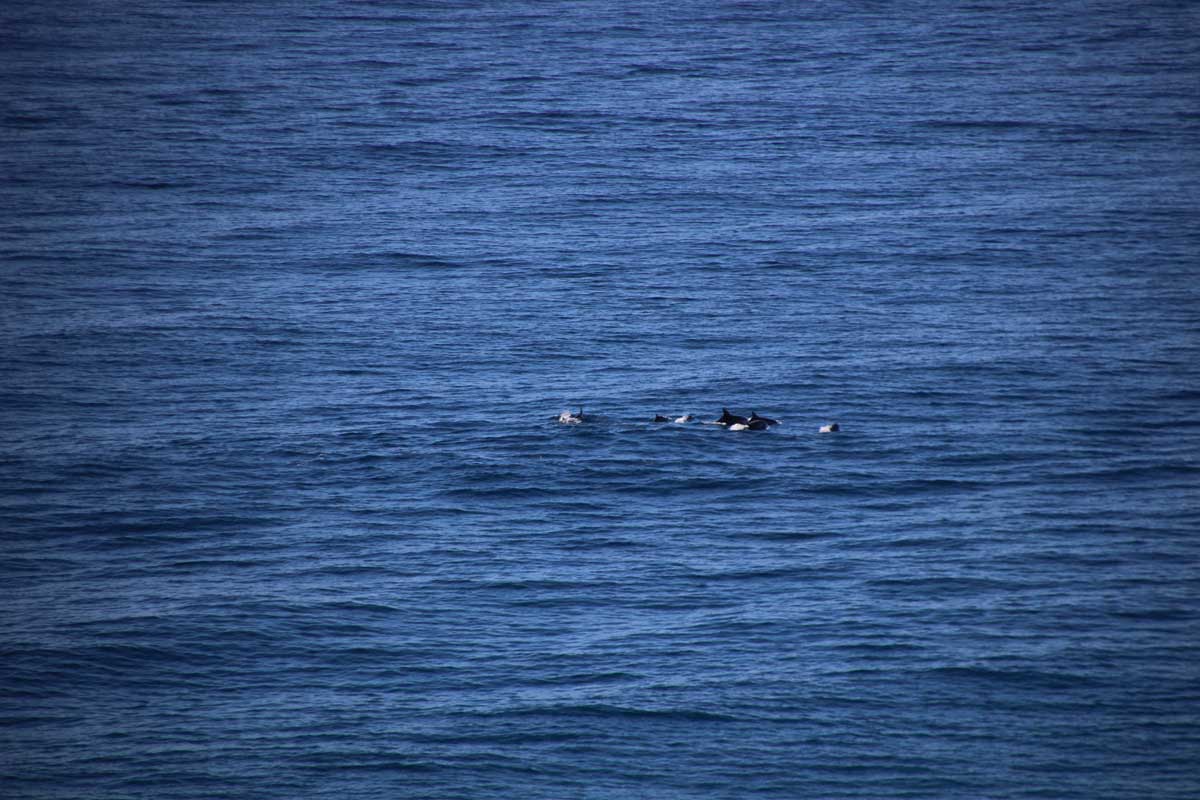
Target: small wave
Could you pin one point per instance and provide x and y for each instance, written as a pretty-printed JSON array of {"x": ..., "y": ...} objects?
[
  {"x": 943, "y": 585},
  {"x": 30, "y": 120},
  {"x": 619, "y": 712},
  {"x": 936, "y": 486},
  {"x": 394, "y": 259},
  {"x": 1027, "y": 679},
  {"x": 584, "y": 678},
  {"x": 603, "y": 543},
  {"x": 523, "y": 737},
  {"x": 207, "y": 564},
  {"x": 347, "y": 570},
  {"x": 654, "y": 70},
  {"x": 1164, "y": 475},
  {"x": 343, "y": 762},
  {"x": 499, "y": 492},
  {"x": 938, "y": 543},
  {"x": 983, "y": 124},
  {"x": 1157, "y": 614},
  {"x": 152, "y": 184},
  {"x": 543, "y": 585},
  {"x": 785, "y": 536},
  {"x": 769, "y": 573}
]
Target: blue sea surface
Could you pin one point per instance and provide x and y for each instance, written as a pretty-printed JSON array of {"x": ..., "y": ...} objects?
[{"x": 293, "y": 293}]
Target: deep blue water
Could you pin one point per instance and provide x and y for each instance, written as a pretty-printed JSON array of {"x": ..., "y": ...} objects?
[{"x": 293, "y": 292}]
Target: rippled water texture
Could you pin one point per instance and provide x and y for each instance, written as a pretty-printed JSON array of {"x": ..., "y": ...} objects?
[{"x": 294, "y": 293}]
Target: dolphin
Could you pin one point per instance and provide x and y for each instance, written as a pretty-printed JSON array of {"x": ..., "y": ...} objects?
[
  {"x": 731, "y": 419},
  {"x": 756, "y": 425},
  {"x": 567, "y": 418}
]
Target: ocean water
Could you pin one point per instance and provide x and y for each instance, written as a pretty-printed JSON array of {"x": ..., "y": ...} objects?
[{"x": 292, "y": 294}]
